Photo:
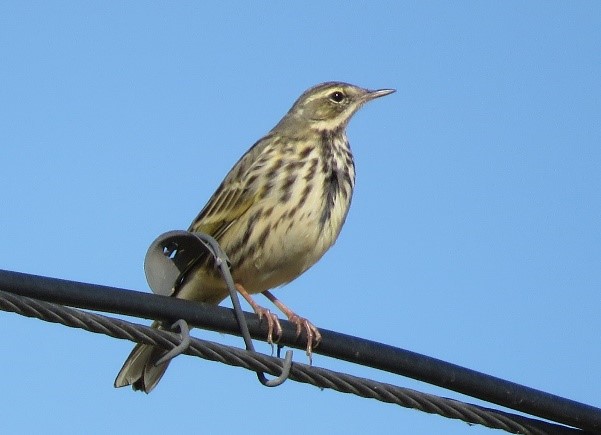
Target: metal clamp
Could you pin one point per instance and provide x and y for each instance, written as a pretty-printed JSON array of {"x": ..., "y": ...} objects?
[{"x": 170, "y": 257}]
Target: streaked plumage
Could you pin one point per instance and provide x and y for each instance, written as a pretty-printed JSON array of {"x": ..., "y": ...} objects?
[{"x": 279, "y": 209}]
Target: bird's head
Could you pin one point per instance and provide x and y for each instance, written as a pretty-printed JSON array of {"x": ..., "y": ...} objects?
[{"x": 328, "y": 106}]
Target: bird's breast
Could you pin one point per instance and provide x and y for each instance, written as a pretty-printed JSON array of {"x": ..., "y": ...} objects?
[{"x": 301, "y": 217}]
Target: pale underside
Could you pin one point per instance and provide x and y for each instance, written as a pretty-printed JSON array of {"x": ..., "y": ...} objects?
[{"x": 303, "y": 223}]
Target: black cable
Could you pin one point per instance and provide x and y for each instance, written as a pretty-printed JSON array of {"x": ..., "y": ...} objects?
[{"x": 336, "y": 345}]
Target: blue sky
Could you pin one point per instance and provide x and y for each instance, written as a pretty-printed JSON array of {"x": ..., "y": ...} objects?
[{"x": 474, "y": 230}]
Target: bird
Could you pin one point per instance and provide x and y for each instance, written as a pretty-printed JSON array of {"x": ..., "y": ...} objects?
[{"x": 276, "y": 213}]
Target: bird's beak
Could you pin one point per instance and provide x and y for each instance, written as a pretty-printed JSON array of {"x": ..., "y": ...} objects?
[{"x": 378, "y": 93}]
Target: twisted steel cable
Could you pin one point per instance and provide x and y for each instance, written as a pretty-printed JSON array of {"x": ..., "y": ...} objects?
[{"x": 319, "y": 377}]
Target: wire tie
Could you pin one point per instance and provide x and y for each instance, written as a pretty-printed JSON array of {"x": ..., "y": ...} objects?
[
  {"x": 286, "y": 366},
  {"x": 183, "y": 345},
  {"x": 224, "y": 264}
]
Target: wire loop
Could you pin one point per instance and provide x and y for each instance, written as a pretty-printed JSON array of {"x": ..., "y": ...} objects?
[
  {"x": 169, "y": 259},
  {"x": 183, "y": 345}
]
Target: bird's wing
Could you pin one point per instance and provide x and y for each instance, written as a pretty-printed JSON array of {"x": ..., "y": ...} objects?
[{"x": 236, "y": 194}]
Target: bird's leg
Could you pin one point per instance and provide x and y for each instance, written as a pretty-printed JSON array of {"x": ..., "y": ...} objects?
[
  {"x": 272, "y": 320},
  {"x": 313, "y": 335}
]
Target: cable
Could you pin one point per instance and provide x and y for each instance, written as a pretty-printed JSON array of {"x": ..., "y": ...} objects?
[
  {"x": 318, "y": 377},
  {"x": 336, "y": 345}
]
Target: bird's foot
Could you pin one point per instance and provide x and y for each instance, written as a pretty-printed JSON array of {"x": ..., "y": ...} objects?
[
  {"x": 273, "y": 323},
  {"x": 313, "y": 335}
]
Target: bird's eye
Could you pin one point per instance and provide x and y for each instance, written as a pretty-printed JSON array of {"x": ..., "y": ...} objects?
[{"x": 337, "y": 96}]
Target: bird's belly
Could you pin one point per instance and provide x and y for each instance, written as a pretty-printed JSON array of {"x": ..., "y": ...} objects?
[{"x": 293, "y": 245}]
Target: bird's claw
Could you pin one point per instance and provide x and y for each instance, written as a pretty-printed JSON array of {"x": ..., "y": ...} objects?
[
  {"x": 313, "y": 335},
  {"x": 273, "y": 323}
]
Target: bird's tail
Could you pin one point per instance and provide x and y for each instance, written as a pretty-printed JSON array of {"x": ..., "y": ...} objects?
[{"x": 140, "y": 369}]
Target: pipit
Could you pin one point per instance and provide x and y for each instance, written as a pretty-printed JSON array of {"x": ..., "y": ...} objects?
[{"x": 278, "y": 210}]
